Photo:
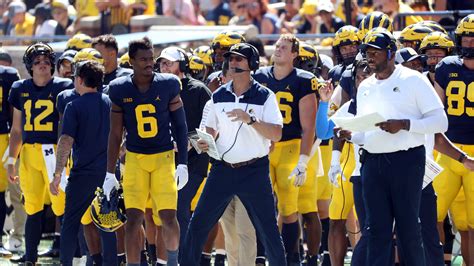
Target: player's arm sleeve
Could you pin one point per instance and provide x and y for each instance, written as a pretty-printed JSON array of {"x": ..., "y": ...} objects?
[
  {"x": 178, "y": 120},
  {"x": 309, "y": 86},
  {"x": 434, "y": 119},
  {"x": 324, "y": 126},
  {"x": 70, "y": 121},
  {"x": 271, "y": 111},
  {"x": 14, "y": 96},
  {"x": 440, "y": 75}
]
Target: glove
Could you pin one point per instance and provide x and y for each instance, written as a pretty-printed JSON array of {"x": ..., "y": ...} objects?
[
  {"x": 110, "y": 183},
  {"x": 335, "y": 169},
  {"x": 181, "y": 175},
  {"x": 300, "y": 171}
]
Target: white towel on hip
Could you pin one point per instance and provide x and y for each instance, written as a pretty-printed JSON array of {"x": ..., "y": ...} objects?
[{"x": 49, "y": 156}]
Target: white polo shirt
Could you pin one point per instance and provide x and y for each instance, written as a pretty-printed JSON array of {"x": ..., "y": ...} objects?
[
  {"x": 406, "y": 94},
  {"x": 238, "y": 142}
]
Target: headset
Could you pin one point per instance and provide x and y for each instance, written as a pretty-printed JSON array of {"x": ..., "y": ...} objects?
[
  {"x": 184, "y": 62},
  {"x": 253, "y": 61}
]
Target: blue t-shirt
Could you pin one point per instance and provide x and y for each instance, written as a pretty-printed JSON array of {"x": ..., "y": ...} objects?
[
  {"x": 87, "y": 120},
  {"x": 8, "y": 75},
  {"x": 146, "y": 116},
  {"x": 457, "y": 81},
  {"x": 38, "y": 107},
  {"x": 117, "y": 73},
  {"x": 64, "y": 98}
]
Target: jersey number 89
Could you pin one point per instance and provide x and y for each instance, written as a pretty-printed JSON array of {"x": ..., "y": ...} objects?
[
  {"x": 455, "y": 93},
  {"x": 147, "y": 126}
]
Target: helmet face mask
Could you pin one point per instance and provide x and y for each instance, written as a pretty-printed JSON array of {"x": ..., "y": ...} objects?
[
  {"x": 346, "y": 38},
  {"x": 108, "y": 215},
  {"x": 464, "y": 34}
]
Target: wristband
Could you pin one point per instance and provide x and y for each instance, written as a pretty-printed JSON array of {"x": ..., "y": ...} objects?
[
  {"x": 462, "y": 157},
  {"x": 335, "y": 157},
  {"x": 11, "y": 160}
]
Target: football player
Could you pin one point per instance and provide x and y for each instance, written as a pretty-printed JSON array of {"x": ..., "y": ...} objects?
[
  {"x": 308, "y": 59},
  {"x": 9, "y": 75},
  {"x": 221, "y": 44},
  {"x": 35, "y": 132},
  {"x": 108, "y": 48},
  {"x": 79, "y": 42},
  {"x": 454, "y": 82},
  {"x": 294, "y": 89},
  {"x": 145, "y": 105},
  {"x": 204, "y": 53},
  {"x": 64, "y": 65},
  {"x": 412, "y": 35},
  {"x": 435, "y": 46}
]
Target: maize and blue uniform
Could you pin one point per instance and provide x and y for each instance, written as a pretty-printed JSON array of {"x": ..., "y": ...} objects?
[
  {"x": 150, "y": 166},
  {"x": 284, "y": 157},
  {"x": 87, "y": 121},
  {"x": 335, "y": 74},
  {"x": 458, "y": 83},
  {"x": 39, "y": 121},
  {"x": 8, "y": 75},
  {"x": 117, "y": 73}
]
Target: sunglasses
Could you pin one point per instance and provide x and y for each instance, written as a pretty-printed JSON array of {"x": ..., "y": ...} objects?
[
  {"x": 242, "y": 6},
  {"x": 166, "y": 63},
  {"x": 46, "y": 62}
]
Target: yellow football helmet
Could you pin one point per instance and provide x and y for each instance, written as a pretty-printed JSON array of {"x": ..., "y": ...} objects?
[
  {"x": 435, "y": 26},
  {"x": 412, "y": 35},
  {"x": 465, "y": 28},
  {"x": 204, "y": 52},
  {"x": 374, "y": 20},
  {"x": 88, "y": 54},
  {"x": 437, "y": 40},
  {"x": 347, "y": 35},
  {"x": 79, "y": 42},
  {"x": 197, "y": 68},
  {"x": 308, "y": 58},
  {"x": 226, "y": 39},
  {"x": 108, "y": 215},
  {"x": 124, "y": 61}
]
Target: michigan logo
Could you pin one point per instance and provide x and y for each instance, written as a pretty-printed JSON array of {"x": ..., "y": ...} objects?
[{"x": 48, "y": 152}]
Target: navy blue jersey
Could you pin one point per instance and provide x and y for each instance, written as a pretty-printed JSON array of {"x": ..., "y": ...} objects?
[
  {"x": 64, "y": 98},
  {"x": 87, "y": 121},
  {"x": 458, "y": 83},
  {"x": 219, "y": 15},
  {"x": 38, "y": 107},
  {"x": 8, "y": 75},
  {"x": 212, "y": 76},
  {"x": 117, "y": 73},
  {"x": 146, "y": 115},
  {"x": 335, "y": 74},
  {"x": 289, "y": 91}
]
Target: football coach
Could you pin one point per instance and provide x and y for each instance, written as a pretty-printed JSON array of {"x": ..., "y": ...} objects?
[
  {"x": 243, "y": 119},
  {"x": 393, "y": 155}
]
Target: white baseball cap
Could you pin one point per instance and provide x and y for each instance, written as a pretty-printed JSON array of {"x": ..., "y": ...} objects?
[
  {"x": 16, "y": 7},
  {"x": 172, "y": 54},
  {"x": 325, "y": 6}
]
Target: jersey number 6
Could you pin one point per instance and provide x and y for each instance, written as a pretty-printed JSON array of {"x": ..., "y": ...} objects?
[{"x": 147, "y": 126}]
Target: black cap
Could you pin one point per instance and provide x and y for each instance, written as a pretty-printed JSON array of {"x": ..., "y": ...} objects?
[
  {"x": 241, "y": 49},
  {"x": 379, "y": 40},
  {"x": 4, "y": 56}
]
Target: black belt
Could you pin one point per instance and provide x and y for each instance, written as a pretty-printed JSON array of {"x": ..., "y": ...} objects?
[{"x": 237, "y": 165}]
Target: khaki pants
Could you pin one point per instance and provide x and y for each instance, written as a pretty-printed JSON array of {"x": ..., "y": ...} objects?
[
  {"x": 239, "y": 235},
  {"x": 19, "y": 214}
]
